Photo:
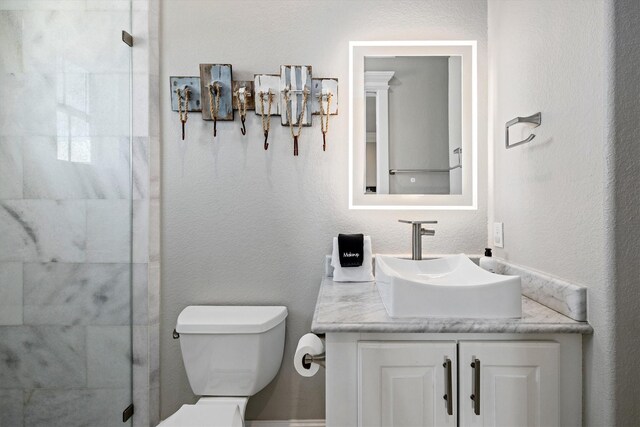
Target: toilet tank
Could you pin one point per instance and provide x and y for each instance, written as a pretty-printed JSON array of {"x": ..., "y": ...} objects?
[{"x": 231, "y": 350}]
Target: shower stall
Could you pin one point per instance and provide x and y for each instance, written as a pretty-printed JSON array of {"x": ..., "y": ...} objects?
[{"x": 77, "y": 306}]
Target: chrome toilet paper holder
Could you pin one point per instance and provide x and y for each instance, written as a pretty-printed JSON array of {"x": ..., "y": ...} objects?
[{"x": 319, "y": 359}]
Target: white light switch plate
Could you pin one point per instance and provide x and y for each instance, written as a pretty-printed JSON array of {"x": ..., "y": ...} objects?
[{"x": 498, "y": 234}]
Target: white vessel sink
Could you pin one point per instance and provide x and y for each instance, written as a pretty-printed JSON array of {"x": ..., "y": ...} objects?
[{"x": 452, "y": 286}]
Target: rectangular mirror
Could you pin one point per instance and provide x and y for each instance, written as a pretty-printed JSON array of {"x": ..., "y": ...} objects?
[{"x": 413, "y": 125}]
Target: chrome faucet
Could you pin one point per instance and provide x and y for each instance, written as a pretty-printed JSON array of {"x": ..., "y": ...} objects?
[{"x": 416, "y": 236}]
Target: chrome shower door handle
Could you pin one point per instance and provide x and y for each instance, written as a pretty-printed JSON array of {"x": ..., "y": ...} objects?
[
  {"x": 448, "y": 386},
  {"x": 475, "y": 385}
]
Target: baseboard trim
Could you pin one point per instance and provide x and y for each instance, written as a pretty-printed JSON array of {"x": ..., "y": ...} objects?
[{"x": 286, "y": 423}]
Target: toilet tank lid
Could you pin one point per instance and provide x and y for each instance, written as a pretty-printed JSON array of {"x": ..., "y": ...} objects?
[{"x": 216, "y": 319}]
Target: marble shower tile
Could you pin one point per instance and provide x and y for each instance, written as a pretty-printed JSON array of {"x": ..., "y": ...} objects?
[
  {"x": 11, "y": 36},
  {"x": 154, "y": 230},
  {"x": 153, "y": 292},
  {"x": 140, "y": 283},
  {"x": 76, "y": 168},
  {"x": 140, "y": 357},
  {"x": 76, "y": 294},
  {"x": 42, "y": 357},
  {"x": 141, "y": 112},
  {"x": 74, "y": 41},
  {"x": 141, "y": 224},
  {"x": 10, "y": 168},
  {"x": 43, "y": 4},
  {"x": 154, "y": 105},
  {"x": 92, "y": 104},
  {"x": 154, "y": 356},
  {"x": 108, "y": 231},
  {"x": 42, "y": 230},
  {"x": 109, "y": 104},
  {"x": 10, "y": 293},
  {"x": 154, "y": 168},
  {"x": 108, "y": 5},
  {"x": 140, "y": 168},
  {"x": 11, "y": 402},
  {"x": 141, "y": 375},
  {"x": 108, "y": 356},
  {"x": 154, "y": 406},
  {"x": 76, "y": 407},
  {"x": 28, "y": 118}
]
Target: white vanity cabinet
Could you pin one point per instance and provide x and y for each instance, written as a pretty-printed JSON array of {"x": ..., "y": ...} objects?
[
  {"x": 406, "y": 383},
  {"x": 512, "y": 384},
  {"x": 407, "y": 380}
]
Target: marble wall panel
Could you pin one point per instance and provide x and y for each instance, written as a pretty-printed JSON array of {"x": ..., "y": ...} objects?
[
  {"x": 11, "y": 36},
  {"x": 42, "y": 357},
  {"x": 108, "y": 356},
  {"x": 10, "y": 293},
  {"x": 76, "y": 407},
  {"x": 76, "y": 168},
  {"x": 11, "y": 402},
  {"x": 71, "y": 41},
  {"x": 29, "y": 104},
  {"x": 10, "y": 167},
  {"x": 108, "y": 231},
  {"x": 42, "y": 230},
  {"x": 76, "y": 294}
]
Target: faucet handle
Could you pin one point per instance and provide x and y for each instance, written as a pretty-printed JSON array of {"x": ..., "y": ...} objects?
[{"x": 406, "y": 221}]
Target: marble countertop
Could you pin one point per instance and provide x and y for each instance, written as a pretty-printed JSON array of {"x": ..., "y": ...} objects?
[{"x": 357, "y": 307}]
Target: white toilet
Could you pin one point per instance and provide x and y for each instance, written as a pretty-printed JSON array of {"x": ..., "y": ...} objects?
[{"x": 229, "y": 353}]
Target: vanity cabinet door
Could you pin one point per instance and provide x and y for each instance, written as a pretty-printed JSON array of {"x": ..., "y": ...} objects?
[
  {"x": 404, "y": 384},
  {"x": 517, "y": 384}
]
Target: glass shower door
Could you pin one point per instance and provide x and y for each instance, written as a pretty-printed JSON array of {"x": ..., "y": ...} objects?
[{"x": 65, "y": 213}]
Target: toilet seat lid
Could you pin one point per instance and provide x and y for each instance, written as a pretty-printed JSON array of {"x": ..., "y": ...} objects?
[{"x": 224, "y": 414}]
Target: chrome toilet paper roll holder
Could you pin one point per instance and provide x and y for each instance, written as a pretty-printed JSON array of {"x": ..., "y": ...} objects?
[{"x": 319, "y": 359}]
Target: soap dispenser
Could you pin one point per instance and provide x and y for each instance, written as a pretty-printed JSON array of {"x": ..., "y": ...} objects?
[{"x": 487, "y": 262}]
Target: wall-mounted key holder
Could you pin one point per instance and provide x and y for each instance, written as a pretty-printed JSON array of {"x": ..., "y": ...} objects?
[
  {"x": 262, "y": 85},
  {"x": 243, "y": 100},
  {"x": 295, "y": 86},
  {"x": 325, "y": 103},
  {"x": 245, "y": 95},
  {"x": 267, "y": 91},
  {"x": 185, "y": 97},
  {"x": 324, "y": 87},
  {"x": 180, "y": 83},
  {"x": 292, "y": 94},
  {"x": 217, "y": 95}
]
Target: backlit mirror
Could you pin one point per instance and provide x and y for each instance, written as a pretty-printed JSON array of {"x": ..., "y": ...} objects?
[{"x": 413, "y": 142}]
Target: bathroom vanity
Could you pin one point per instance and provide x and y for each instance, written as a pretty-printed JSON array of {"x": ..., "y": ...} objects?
[{"x": 423, "y": 371}]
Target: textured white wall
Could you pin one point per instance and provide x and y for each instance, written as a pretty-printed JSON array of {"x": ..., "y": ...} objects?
[
  {"x": 549, "y": 56},
  {"x": 245, "y": 226},
  {"x": 622, "y": 202}
]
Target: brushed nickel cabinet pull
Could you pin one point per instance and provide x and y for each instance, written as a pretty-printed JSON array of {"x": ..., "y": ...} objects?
[
  {"x": 475, "y": 385},
  {"x": 448, "y": 388}
]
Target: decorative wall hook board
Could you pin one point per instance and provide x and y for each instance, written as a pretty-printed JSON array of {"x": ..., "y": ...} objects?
[
  {"x": 324, "y": 87},
  {"x": 534, "y": 119},
  {"x": 243, "y": 100},
  {"x": 217, "y": 94},
  {"x": 267, "y": 100},
  {"x": 185, "y": 97},
  {"x": 295, "y": 80},
  {"x": 295, "y": 85},
  {"x": 325, "y": 103}
]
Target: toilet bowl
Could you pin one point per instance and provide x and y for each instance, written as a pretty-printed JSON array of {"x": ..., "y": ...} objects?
[{"x": 230, "y": 353}]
